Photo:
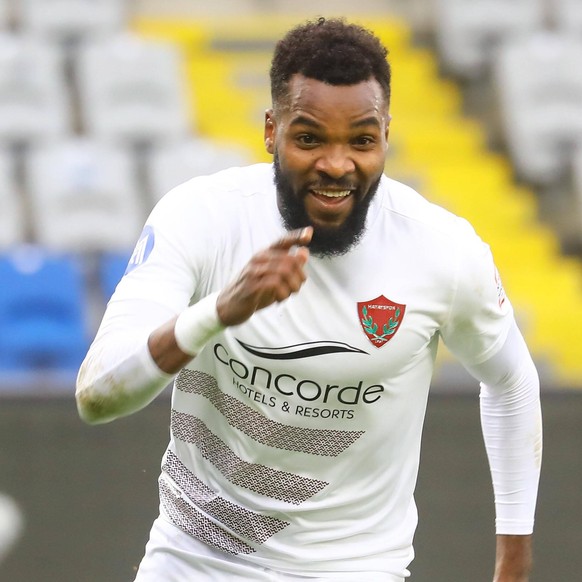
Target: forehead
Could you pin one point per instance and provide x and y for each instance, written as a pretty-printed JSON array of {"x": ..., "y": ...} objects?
[{"x": 335, "y": 103}]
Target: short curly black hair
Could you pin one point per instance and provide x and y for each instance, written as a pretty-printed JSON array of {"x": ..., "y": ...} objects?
[{"x": 332, "y": 51}]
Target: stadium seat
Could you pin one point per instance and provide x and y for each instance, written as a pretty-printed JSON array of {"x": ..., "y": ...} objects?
[
  {"x": 42, "y": 311},
  {"x": 71, "y": 19},
  {"x": 34, "y": 102},
  {"x": 566, "y": 15},
  {"x": 132, "y": 89},
  {"x": 170, "y": 164},
  {"x": 84, "y": 196},
  {"x": 4, "y": 14},
  {"x": 468, "y": 32},
  {"x": 11, "y": 208},
  {"x": 539, "y": 84}
]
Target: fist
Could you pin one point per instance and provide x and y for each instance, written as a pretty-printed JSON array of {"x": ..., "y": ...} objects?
[{"x": 271, "y": 275}]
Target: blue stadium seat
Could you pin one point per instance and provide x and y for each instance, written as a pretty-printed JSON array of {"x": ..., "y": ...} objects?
[
  {"x": 42, "y": 311},
  {"x": 111, "y": 268}
]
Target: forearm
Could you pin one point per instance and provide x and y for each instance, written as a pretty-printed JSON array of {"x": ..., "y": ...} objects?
[
  {"x": 119, "y": 374},
  {"x": 512, "y": 431},
  {"x": 513, "y": 558},
  {"x": 125, "y": 370},
  {"x": 109, "y": 387}
]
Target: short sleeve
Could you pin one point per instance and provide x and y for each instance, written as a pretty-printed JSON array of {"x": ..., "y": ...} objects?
[{"x": 481, "y": 314}]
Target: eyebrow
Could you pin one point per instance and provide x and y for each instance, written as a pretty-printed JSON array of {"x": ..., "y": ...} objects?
[{"x": 302, "y": 120}]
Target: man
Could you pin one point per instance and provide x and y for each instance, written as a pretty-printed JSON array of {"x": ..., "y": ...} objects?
[{"x": 303, "y": 365}]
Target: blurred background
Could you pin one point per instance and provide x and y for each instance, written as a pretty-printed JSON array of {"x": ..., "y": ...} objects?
[{"x": 105, "y": 105}]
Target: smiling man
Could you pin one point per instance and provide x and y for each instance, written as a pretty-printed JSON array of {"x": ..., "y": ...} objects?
[{"x": 298, "y": 307}]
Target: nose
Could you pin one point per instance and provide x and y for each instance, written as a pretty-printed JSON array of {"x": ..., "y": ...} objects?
[{"x": 335, "y": 161}]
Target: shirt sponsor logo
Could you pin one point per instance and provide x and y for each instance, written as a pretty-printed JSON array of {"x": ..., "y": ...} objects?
[
  {"x": 142, "y": 250},
  {"x": 261, "y": 380},
  {"x": 380, "y": 319}
]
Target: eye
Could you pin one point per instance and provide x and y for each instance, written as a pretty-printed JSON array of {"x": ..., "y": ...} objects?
[
  {"x": 364, "y": 141},
  {"x": 307, "y": 140}
]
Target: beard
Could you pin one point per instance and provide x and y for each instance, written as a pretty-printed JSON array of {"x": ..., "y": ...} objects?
[{"x": 330, "y": 241}]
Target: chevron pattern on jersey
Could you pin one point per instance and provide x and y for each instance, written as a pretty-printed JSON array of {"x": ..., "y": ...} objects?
[
  {"x": 280, "y": 485},
  {"x": 248, "y": 524},
  {"x": 197, "y": 525}
]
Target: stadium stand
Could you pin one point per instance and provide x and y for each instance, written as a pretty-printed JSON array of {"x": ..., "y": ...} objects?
[
  {"x": 34, "y": 97},
  {"x": 71, "y": 20},
  {"x": 170, "y": 164},
  {"x": 539, "y": 86},
  {"x": 84, "y": 196},
  {"x": 566, "y": 15},
  {"x": 12, "y": 220},
  {"x": 131, "y": 90},
  {"x": 43, "y": 310},
  {"x": 467, "y": 33}
]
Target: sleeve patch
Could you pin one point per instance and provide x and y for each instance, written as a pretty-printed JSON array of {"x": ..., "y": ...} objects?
[{"x": 142, "y": 250}]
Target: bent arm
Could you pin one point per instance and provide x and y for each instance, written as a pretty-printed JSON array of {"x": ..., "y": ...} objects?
[
  {"x": 512, "y": 430},
  {"x": 142, "y": 344}
]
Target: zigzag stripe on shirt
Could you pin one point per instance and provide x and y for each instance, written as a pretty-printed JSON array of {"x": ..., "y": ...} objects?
[
  {"x": 197, "y": 525},
  {"x": 281, "y": 485},
  {"x": 241, "y": 521}
]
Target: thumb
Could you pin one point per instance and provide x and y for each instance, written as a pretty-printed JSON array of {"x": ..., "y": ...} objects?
[{"x": 300, "y": 237}]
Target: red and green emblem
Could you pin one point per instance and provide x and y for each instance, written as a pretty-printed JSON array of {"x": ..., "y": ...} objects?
[{"x": 380, "y": 319}]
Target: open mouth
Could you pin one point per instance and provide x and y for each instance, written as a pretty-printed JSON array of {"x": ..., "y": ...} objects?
[
  {"x": 332, "y": 193},
  {"x": 331, "y": 197},
  {"x": 329, "y": 207}
]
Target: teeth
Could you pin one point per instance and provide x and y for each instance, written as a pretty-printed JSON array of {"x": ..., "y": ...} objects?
[{"x": 333, "y": 193}]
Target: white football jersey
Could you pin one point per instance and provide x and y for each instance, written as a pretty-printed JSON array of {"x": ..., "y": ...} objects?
[{"x": 295, "y": 437}]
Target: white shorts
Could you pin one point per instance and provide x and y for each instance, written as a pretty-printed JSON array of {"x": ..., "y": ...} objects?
[{"x": 174, "y": 556}]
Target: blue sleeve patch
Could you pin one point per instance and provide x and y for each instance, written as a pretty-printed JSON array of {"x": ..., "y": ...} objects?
[{"x": 142, "y": 250}]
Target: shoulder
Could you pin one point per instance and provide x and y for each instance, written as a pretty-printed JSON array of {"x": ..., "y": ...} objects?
[
  {"x": 231, "y": 184},
  {"x": 405, "y": 207},
  {"x": 219, "y": 197}
]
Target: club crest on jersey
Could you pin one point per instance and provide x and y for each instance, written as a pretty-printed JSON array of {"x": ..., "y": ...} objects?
[{"x": 380, "y": 319}]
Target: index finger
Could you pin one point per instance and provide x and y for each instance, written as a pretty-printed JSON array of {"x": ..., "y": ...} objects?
[{"x": 299, "y": 237}]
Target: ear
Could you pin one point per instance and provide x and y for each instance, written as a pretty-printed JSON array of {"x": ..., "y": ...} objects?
[{"x": 269, "y": 131}]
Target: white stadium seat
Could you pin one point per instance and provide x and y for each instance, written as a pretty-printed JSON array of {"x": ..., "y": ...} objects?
[
  {"x": 84, "y": 196},
  {"x": 172, "y": 163},
  {"x": 34, "y": 102},
  {"x": 467, "y": 31},
  {"x": 132, "y": 89},
  {"x": 567, "y": 15},
  {"x": 12, "y": 225},
  {"x": 4, "y": 14},
  {"x": 539, "y": 84},
  {"x": 71, "y": 19}
]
